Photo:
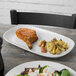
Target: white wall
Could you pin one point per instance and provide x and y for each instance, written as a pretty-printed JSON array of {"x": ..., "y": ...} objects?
[{"x": 62, "y": 7}]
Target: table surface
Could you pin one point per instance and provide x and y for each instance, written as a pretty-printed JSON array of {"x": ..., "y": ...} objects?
[{"x": 14, "y": 56}]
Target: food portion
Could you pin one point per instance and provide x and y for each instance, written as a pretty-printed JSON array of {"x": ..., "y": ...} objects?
[
  {"x": 54, "y": 46},
  {"x": 44, "y": 71},
  {"x": 27, "y": 35}
]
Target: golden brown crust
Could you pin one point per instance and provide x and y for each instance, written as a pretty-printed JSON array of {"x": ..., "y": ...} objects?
[{"x": 27, "y": 35}]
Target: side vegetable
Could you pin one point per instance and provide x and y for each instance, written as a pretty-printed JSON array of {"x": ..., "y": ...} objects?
[
  {"x": 56, "y": 73},
  {"x": 23, "y": 75},
  {"x": 41, "y": 70},
  {"x": 64, "y": 72}
]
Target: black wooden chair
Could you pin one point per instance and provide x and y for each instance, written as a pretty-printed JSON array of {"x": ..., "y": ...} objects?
[{"x": 42, "y": 19}]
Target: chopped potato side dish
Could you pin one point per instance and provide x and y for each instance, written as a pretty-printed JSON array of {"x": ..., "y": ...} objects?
[{"x": 54, "y": 46}]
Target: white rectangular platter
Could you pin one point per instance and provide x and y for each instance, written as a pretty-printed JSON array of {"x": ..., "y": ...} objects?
[{"x": 10, "y": 36}]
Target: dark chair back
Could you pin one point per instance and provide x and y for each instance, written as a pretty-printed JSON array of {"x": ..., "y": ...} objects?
[{"x": 42, "y": 19}]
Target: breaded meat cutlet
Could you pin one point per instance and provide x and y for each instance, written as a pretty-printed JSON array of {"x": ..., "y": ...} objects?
[{"x": 27, "y": 35}]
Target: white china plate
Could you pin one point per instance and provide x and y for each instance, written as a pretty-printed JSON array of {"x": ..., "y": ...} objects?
[
  {"x": 10, "y": 36},
  {"x": 20, "y": 68}
]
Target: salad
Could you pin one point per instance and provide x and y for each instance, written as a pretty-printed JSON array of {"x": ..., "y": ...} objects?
[{"x": 44, "y": 71}]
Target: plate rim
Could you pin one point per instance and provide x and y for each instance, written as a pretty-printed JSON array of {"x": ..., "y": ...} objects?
[
  {"x": 40, "y": 29},
  {"x": 35, "y": 61}
]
